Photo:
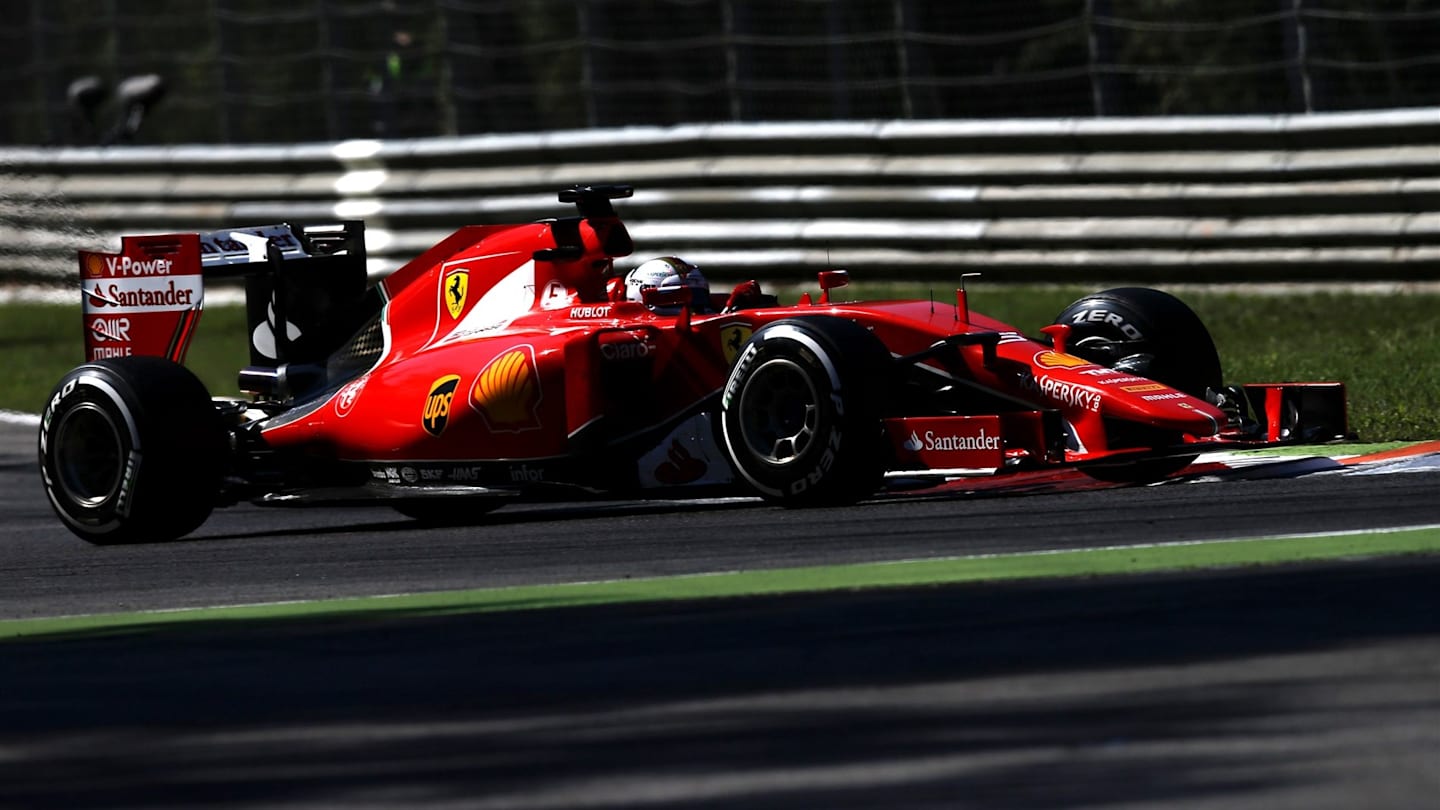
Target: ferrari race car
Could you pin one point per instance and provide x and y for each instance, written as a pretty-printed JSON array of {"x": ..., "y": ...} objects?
[{"x": 505, "y": 364}]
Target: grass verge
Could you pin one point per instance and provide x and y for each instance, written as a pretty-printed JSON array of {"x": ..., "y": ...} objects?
[
  {"x": 990, "y": 568},
  {"x": 1332, "y": 450},
  {"x": 43, "y": 341}
]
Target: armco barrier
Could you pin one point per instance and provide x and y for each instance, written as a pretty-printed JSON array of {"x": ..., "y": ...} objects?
[{"x": 1338, "y": 196}]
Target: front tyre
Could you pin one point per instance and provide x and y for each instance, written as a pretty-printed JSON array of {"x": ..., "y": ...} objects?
[
  {"x": 1146, "y": 332},
  {"x": 1151, "y": 334},
  {"x": 800, "y": 414},
  {"x": 131, "y": 450}
]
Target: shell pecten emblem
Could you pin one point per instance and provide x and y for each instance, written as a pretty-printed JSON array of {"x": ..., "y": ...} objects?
[
  {"x": 507, "y": 391},
  {"x": 1052, "y": 359}
]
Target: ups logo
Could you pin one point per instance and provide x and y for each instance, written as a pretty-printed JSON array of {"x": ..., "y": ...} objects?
[{"x": 437, "y": 404}]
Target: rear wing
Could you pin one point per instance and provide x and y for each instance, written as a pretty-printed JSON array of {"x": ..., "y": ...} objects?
[
  {"x": 147, "y": 299},
  {"x": 282, "y": 242}
]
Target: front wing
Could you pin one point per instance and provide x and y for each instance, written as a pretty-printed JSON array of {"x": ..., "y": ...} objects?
[{"x": 1270, "y": 414}]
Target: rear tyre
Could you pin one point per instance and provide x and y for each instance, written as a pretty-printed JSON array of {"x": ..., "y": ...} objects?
[
  {"x": 131, "y": 450},
  {"x": 1150, "y": 334},
  {"x": 800, "y": 414}
]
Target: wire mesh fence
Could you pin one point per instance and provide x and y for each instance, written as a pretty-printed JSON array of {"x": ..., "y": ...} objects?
[{"x": 257, "y": 71}]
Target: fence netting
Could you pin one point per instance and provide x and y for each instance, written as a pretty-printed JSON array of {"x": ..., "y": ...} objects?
[{"x": 256, "y": 71}]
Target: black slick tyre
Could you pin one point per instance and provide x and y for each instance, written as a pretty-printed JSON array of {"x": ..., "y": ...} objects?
[
  {"x": 800, "y": 413},
  {"x": 1148, "y": 332},
  {"x": 131, "y": 450},
  {"x": 1151, "y": 334}
]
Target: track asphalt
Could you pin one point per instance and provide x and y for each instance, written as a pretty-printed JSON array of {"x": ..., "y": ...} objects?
[{"x": 1315, "y": 685}]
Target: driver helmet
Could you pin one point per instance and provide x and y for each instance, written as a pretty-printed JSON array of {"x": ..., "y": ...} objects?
[{"x": 665, "y": 273}]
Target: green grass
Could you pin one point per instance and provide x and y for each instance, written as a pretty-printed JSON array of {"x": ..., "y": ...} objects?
[
  {"x": 817, "y": 579},
  {"x": 43, "y": 341},
  {"x": 1386, "y": 348}
]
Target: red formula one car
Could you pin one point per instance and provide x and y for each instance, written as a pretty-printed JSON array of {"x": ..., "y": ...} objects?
[{"x": 505, "y": 363}]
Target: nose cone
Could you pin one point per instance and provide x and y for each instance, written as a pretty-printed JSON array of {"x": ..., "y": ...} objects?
[{"x": 1161, "y": 406}]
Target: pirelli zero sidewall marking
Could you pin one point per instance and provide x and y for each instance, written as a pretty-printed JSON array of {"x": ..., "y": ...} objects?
[
  {"x": 816, "y": 462},
  {"x": 88, "y": 385}
]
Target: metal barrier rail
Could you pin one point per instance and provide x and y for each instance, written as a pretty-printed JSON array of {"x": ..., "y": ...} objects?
[{"x": 1348, "y": 196}]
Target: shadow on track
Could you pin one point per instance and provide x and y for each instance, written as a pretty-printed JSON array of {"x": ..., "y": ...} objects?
[
  {"x": 386, "y": 520},
  {"x": 1201, "y": 687}
]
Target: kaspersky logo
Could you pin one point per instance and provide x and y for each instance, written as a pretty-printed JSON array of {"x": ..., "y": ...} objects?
[
  {"x": 507, "y": 392},
  {"x": 437, "y": 404},
  {"x": 455, "y": 287}
]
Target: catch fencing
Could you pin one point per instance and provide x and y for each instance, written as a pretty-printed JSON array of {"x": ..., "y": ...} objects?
[
  {"x": 1347, "y": 196},
  {"x": 286, "y": 71}
]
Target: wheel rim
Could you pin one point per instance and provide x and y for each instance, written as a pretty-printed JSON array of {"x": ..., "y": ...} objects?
[
  {"x": 779, "y": 411},
  {"x": 89, "y": 456}
]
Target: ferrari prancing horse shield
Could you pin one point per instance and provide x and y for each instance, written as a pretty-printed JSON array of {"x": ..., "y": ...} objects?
[
  {"x": 732, "y": 340},
  {"x": 457, "y": 283}
]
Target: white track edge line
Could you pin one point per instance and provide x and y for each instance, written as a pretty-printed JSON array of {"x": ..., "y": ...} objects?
[{"x": 19, "y": 418}]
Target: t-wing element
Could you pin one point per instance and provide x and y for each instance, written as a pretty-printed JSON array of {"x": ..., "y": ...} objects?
[{"x": 594, "y": 201}]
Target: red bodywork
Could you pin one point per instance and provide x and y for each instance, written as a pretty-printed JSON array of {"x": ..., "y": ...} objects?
[{"x": 500, "y": 361}]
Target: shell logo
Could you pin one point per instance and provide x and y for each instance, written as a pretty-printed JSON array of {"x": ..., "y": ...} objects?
[
  {"x": 507, "y": 392},
  {"x": 94, "y": 265},
  {"x": 1050, "y": 359}
]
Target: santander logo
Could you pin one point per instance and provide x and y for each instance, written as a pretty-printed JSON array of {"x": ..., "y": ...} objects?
[{"x": 942, "y": 442}]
